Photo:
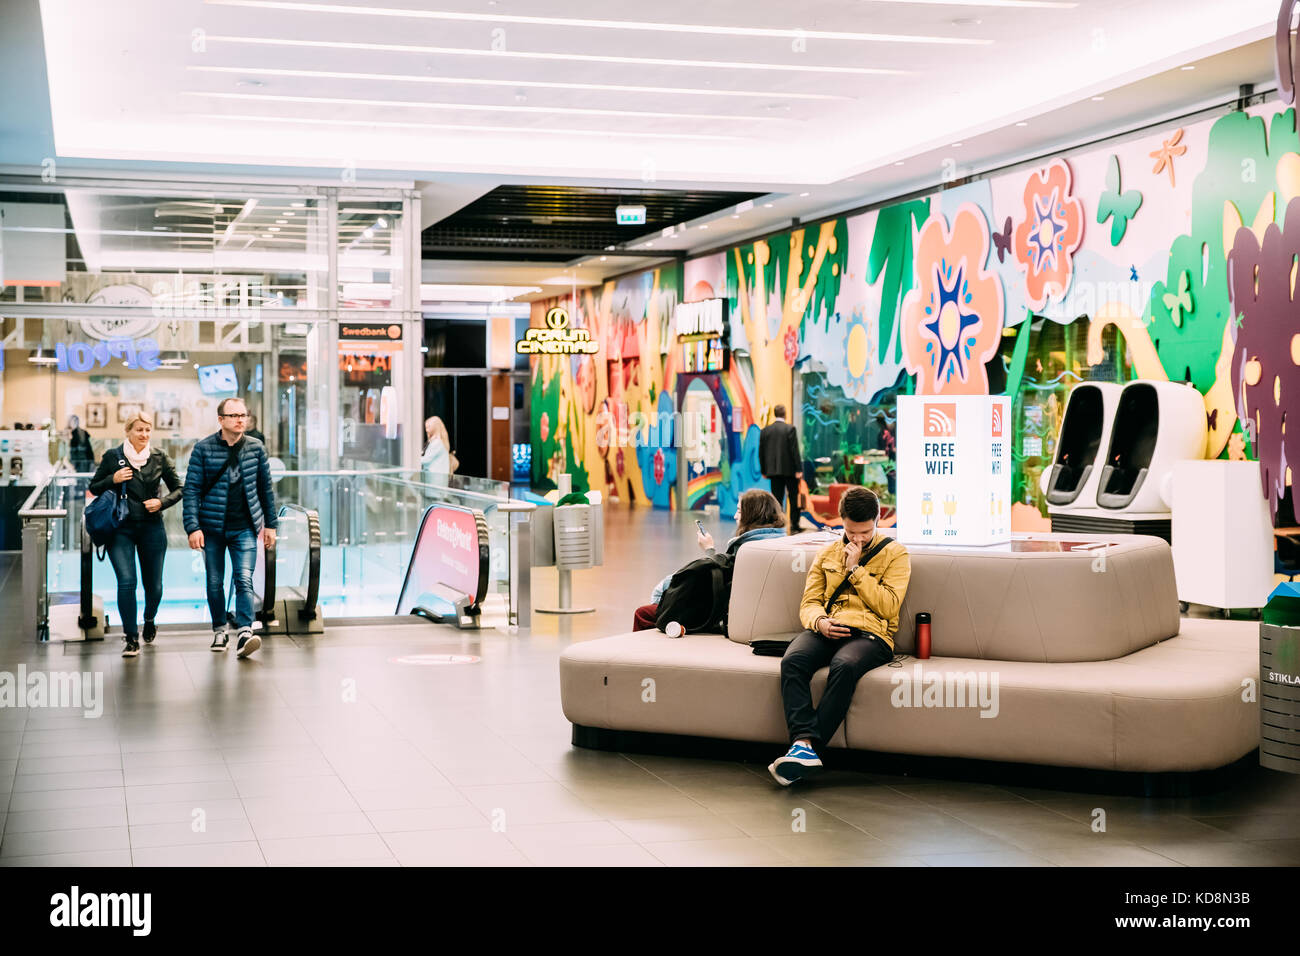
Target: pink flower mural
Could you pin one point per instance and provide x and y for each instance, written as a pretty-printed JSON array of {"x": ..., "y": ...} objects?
[
  {"x": 1049, "y": 234},
  {"x": 952, "y": 318}
]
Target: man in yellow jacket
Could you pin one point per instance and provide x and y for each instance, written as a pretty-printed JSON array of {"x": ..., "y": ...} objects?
[{"x": 850, "y": 609}]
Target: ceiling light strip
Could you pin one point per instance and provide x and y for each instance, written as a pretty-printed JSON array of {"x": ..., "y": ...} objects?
[
  {"x": 460, "y": 127},
  {"x": 514, "y": 84},
  {"x": 637, "y": 25},
  {"x": 563, "y": 57},
  {"x": 477, "y": 107}
]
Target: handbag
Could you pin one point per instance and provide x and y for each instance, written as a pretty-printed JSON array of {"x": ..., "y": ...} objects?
[{"x": 104, "y": 516}]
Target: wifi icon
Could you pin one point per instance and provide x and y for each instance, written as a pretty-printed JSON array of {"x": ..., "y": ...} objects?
[{"x": 940, "y": 420}]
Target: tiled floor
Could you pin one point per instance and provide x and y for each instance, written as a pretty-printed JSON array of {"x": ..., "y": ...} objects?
[{"x": 325, "y": 751}]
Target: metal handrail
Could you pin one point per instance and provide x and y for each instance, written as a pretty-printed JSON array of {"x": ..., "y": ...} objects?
[
  {"x": 308, "y": 611},
  {"x": 29, "y": 509}
]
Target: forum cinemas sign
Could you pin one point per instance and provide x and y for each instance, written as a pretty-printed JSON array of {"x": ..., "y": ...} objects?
[{"x": 557, "y": 338}]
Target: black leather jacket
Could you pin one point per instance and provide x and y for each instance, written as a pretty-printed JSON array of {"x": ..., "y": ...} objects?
[{"x": 143, "y": 484}]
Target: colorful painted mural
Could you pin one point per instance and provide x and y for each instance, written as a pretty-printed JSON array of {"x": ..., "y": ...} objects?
[{"x": 1165, "y": 255}]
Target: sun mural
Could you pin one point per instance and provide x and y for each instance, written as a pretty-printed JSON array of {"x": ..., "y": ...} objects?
[
  {"x": 1048, "y": 236},
  {"x": 857, "y": 354},
  {"x": 952, "y": 320}
]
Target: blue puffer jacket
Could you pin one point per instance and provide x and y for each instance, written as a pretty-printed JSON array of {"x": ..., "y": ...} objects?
[{"x": 206, "y": 460}]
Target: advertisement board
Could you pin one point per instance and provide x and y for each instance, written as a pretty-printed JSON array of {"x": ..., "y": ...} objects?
[
  {"x": 954, "y": 469},
  {"x": 450, "y": 561}
]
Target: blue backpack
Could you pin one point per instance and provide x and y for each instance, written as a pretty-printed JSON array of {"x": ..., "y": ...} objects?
[{"x": 104, "y": 515}]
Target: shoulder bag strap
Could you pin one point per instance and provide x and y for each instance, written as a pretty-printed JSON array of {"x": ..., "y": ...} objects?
[
  {"x": 846, "y": 583},
  {"x": 212, "y": 482}
]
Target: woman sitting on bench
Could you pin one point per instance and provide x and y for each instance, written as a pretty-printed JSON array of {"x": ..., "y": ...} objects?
[{"x": 758, "y": 515}]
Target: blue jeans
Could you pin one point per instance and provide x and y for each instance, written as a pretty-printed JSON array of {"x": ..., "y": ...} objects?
[
  {"x": 147, "y": 539},
  {"x": 242, "y": 546}
]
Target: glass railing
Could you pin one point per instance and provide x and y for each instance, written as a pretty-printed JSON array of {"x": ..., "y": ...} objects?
[
  {"x": 369, "y": 524},
  {"x": 366, "y": 528}
]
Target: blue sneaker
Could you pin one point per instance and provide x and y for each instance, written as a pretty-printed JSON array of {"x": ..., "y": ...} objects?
[{"x": 797, "y": 763}]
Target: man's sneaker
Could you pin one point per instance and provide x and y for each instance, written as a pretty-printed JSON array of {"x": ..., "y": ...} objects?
[
  {"x": 248, "y": 642},
  {"x": 150, "y": 631},
  {"x": 220, "y": 640},
  {"x": 797, "y": 763},
  {"x": 132, "y": 648}
]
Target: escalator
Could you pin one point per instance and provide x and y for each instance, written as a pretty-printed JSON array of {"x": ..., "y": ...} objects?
[{"x": 74, "y": 599}]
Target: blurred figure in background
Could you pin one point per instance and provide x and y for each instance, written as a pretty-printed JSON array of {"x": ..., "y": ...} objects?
[
  {"x": 252, "y": 431},
  {"x": 137, "y": 470},
  {"x": 781, "y": 463},
  {"x": 437, "y": 462},
  {"x": 80, "y": 452}
]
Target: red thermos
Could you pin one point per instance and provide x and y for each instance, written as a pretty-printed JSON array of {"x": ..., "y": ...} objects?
[{"x": 923, "y": 636}]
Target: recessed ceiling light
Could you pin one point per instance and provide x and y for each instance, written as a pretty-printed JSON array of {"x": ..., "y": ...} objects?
[
  {"x": 290, "y": 213},
  {"x": 297, "y": 204},
  {"x": 1189, "y": 68},
  {"x": 898, "y": 163},
  {"x": 801, "y": 195},
  {"x": 273, "y": 229},
  {"x": 281, "y": 222},
  {"x": 1022, "y": 123},
  {"x": 967, "y": 22},
  {"x": 1098, "y": 99},
  {"x": 956, "y": 145}
]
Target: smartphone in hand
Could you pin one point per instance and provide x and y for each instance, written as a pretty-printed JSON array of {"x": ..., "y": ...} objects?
[{"x": 699, "y": 525}]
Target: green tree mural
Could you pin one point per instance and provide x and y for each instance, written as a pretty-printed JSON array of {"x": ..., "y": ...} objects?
[{"x": 891, "y": 255}]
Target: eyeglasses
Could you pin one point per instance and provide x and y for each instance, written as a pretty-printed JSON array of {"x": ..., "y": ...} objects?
[{"x": 244, "y": 415}]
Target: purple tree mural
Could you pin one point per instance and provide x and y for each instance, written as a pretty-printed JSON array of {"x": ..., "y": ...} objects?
[{"x": 1266, "y": 350}]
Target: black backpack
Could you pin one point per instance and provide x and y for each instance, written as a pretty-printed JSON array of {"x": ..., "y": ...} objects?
[{"x": 697, "y": 596}]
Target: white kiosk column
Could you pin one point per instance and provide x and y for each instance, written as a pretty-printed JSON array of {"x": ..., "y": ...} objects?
[{"x": 954, "y": 469}]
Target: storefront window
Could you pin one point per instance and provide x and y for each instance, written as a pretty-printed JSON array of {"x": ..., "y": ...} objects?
[
  {"x": 178, "y": 255},
  {"x": 371, "y": 274},
  {"x": 123, "y": 295},
  {"x": 846, "y": 441}
]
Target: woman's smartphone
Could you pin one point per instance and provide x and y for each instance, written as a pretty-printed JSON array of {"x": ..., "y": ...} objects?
[{"x": 699, "y": 525}]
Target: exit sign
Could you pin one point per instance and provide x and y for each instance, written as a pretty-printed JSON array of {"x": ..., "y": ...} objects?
[{"x": 630, "y": 215}]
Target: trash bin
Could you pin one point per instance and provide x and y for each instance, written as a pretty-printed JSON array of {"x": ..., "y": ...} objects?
[{"x": 1279, "y": 680}]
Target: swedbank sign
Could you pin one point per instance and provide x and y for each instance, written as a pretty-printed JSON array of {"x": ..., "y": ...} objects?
[{"x": 557, "y": 338}]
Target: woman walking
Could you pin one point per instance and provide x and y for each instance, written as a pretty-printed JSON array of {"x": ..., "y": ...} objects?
[
  {"x": 437, "y": 462},
  {"x": 136, "y": 470}
]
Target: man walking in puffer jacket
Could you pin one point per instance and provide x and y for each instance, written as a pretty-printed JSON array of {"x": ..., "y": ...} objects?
[{"x": 229, "y": 505}]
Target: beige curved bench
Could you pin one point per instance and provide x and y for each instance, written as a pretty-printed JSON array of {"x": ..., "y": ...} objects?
[{"x": 1093, "y": 668}]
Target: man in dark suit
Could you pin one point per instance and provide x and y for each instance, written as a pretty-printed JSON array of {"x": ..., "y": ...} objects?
[{"x": 781, "y": 463}]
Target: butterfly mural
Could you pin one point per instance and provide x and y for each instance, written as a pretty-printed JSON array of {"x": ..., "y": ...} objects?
[
  {"x": 1179, "y": 303},
  {"x": 1117, "y": 205},
  {"x": 1002, "y": 240},
  {"x": 1164, "y": 156}
]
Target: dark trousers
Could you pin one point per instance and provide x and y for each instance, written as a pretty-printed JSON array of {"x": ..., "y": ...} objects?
[
  {"x": 781, "y": 484},
  {"x": 144, "y": 539},
  {"x": 848, "y": 659},
  {"x": 644, "y": 617}
]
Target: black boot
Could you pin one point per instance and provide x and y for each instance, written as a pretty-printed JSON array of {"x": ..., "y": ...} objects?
[{"x": 150, "y": 631}]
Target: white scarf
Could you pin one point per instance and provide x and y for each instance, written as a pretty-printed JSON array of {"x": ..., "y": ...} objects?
[{"x": 136, "y": 458}]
